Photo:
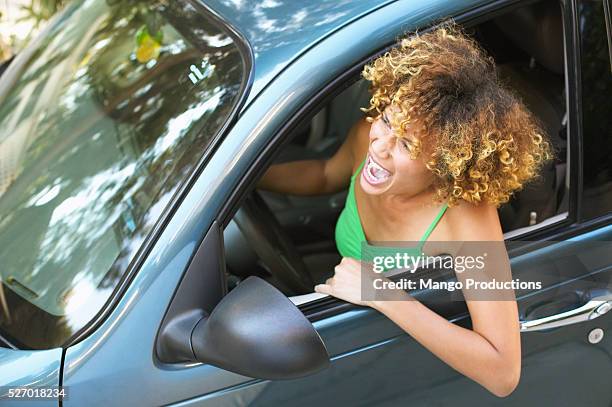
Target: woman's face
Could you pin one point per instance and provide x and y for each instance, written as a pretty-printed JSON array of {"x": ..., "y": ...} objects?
[{"x": 389, "y": 168}]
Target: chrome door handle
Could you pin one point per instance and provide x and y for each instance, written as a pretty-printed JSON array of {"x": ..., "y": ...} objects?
[{"x": 594, "y": 308}]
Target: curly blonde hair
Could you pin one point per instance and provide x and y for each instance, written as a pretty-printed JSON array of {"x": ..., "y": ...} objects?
[{"x": 482, "y": 142}]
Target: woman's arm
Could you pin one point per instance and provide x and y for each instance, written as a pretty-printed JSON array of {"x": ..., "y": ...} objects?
[
  {"x": 317, "y": 177},
  {"x": 490, "y": 353}
]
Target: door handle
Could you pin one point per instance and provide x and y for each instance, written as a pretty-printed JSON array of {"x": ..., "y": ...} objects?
[{"x": 594, "y": 308}]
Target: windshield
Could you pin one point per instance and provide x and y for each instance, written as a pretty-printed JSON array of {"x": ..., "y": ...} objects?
[{"x": 105, "y": 116}]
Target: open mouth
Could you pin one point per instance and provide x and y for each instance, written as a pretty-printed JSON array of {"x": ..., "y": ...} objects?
[{"x": 375, "y": 173}]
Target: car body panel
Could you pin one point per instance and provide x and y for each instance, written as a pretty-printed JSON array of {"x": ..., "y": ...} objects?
[{"x": 30, "y": 368}]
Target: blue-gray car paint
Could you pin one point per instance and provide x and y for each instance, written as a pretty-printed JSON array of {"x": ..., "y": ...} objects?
[{"x": 28, "y": 369}]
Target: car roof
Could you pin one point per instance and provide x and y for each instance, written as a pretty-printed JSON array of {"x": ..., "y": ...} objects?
[{"x": 280, "y": 30}]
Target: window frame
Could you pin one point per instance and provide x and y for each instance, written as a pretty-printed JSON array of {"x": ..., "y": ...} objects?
[{"x": 592, "y": 223}]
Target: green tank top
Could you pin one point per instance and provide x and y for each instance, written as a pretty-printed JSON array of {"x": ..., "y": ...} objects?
[{"x": 350, "y": 235}]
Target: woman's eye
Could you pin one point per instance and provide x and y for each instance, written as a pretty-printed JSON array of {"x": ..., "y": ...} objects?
[
  {"x": 386, "y": 121},
  {"x": 404, "y": 144}
]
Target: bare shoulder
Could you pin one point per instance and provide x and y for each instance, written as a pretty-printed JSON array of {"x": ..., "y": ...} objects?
[{"x": 469, "y": 221}]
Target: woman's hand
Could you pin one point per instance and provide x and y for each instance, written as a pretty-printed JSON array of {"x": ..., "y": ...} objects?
[{"x": 346, "y": 282}]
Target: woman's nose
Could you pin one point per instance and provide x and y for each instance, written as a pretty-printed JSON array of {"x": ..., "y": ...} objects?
[{"x": 383, "y": 144}]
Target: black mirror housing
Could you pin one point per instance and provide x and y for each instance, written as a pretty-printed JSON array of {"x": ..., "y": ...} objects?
[
  {"x": 258, "y": 332},
  {"x": 255, "y": 330}
]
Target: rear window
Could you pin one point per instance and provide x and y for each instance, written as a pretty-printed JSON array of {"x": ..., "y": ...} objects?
[{"x": 101, "y": 121}]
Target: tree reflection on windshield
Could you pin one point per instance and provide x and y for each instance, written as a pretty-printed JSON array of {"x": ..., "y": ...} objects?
[{"x": 98, "y": 128}]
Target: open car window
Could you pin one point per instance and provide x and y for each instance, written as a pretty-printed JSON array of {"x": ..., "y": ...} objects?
[{"x": 530, "y": 61}]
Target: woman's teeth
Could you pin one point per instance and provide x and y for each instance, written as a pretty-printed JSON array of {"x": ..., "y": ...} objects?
[{"x": 374, "y": 173}]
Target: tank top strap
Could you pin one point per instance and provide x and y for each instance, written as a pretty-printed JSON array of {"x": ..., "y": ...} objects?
[{"x": 433, "y": 224}]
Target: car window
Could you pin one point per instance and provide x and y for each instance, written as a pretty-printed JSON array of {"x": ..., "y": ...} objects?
[
  {"x": 596, "y": 75},
  {"x": 101, "y": 123},
  {"x": 528, "y": 48}
]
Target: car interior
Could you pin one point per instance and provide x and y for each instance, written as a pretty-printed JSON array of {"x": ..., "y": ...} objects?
[{"x": 289, "y": 240}]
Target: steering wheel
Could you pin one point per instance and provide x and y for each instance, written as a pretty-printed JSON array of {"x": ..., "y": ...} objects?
[{"x": 272, "y": 244}]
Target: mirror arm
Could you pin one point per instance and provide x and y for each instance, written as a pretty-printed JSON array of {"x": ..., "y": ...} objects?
[{"x": 200, "y": 290}]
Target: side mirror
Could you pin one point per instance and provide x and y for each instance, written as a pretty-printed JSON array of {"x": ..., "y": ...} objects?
[
  {"x": 254, "y": 330},
  {"x": 258, "y": 332}
]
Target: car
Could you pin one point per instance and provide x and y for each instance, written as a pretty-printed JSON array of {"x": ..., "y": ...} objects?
[{"x": 141, "y": 266}]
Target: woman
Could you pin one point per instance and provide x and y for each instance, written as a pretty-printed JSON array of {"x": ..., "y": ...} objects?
[{"x": 444, "y": 145}]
